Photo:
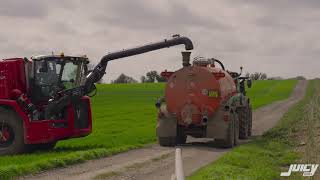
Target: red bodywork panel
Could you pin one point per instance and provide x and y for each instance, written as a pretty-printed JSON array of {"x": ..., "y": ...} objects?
[
  {"x": 13, "y": 73},
  {"x": 43, "y": 131},
  {"x": 12, "y": 76}
]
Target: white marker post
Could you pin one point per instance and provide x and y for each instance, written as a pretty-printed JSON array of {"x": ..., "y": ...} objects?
[{"x": 179, "y": 174}]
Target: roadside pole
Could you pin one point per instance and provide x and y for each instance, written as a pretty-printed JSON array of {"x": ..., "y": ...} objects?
[{"x": 179, "y": 173}]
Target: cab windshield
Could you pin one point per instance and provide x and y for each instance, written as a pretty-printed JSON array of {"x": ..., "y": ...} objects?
[{"x": 53, "y": 74}]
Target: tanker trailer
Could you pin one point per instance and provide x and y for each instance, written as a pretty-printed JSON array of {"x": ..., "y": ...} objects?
[{"x": 204, "y": 101}]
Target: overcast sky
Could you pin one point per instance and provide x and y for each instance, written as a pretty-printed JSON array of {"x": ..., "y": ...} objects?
[{"x": 279, "y": 37}]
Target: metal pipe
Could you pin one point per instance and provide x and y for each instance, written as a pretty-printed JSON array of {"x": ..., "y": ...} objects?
[
  {"x": 205, "y": 120},
  {"x": 186, "y": 58}
]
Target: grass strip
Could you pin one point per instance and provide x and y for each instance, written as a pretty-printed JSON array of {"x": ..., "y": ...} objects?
[{"x": 264, "y": 157}]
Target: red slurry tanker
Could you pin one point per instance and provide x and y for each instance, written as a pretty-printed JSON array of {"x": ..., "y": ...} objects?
[
  {"x": 45, "y": 99},
  {"x": 204, "y": 101}
]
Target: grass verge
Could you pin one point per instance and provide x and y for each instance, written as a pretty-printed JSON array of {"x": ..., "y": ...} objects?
[
  {"x": 266, "y": 156},
  {"x": 124, "y": 118}
]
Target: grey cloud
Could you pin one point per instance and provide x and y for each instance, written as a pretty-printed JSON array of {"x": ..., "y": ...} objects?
[
  {"x": 134, "y": 14},
  {"x": 281, "y": 4},
  {"x": 25, "y": 9},
  {"x": 270, "y": 36},
  {"x": 63, "y": 28}
]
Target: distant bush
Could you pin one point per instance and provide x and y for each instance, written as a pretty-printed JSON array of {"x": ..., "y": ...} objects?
[
  {"x": 124, "y": 79},
  {"x": 152, "y": 76}
]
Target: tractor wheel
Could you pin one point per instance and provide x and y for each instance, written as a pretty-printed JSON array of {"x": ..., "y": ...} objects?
[
  {"x": 250, "y": 121},
  {"x": 11, "y": 133},
  {"x": 167, "y": 141},
  {"x": 229, "y": 142},
  {"x": 243, "y": 114},
  {"x": 236, "y": 130}
]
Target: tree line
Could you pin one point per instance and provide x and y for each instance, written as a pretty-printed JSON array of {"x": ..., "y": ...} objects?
[
  {"x": 154, "y": 76},
  {"x": 150, "y": 77}
]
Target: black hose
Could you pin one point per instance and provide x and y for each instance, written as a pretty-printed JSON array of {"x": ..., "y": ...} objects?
[
  {"x": 219, "y": 62},
  {"x": 99, "y": 70}
]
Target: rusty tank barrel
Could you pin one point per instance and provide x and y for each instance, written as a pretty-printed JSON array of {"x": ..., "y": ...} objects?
[{"x": 99, "y": 70}]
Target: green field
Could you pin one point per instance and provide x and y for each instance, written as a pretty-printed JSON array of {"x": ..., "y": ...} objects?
[
  {"x": 267, "y": 156},
  {"x": 124, "y": 117}
]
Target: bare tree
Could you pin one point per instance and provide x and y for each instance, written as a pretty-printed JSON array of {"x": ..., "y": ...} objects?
[
  {"x": 263, "y": 76},
  {"x": 124, "y": 79},
  {"x": 258, "y": 76},
  {"x": 153, "y": 76},
  {"x": 143, "y": 79}
]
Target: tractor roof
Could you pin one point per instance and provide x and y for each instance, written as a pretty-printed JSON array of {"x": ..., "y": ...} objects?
[{"x": 72, "y": 58}]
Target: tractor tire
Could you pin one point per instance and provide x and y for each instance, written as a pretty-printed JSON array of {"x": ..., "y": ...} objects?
[
  {"x": 236, "y": 130},
  {"x": 250, "y": 121},
  {"x": 243, "y": 114},
  {"x": 167, "y": 141},
  {"x": 229, "y": 142},
  {"x": 11, "y": 133}
]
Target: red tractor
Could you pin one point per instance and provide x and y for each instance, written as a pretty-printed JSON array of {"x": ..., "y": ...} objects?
[
  {"x": 204, "y": 101},
  {"x": 46, "y": 98}
]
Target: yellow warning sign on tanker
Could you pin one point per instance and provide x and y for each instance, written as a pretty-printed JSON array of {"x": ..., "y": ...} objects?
[{"x": 213, "y": 93}]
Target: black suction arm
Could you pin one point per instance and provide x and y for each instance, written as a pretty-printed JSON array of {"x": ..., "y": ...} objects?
[
  {"x": 100, "y": 69},
  {"x": 63, "y": 98}
]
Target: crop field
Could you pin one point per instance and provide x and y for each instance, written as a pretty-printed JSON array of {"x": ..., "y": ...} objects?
[{"x": 124, "y": 117}]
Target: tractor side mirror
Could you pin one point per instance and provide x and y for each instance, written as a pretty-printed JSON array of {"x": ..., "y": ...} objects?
[{"x": 249, "y": 83}]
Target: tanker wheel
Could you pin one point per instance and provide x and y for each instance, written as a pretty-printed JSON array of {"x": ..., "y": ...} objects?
[
  {"x": 232, "y": 136},
  {"x": 250, "y": 121},
  {"x": 167, "y": 141},
  {"x": 244, "y": 125},
  {"x": 181, "y": 136},
  {"x": 181, "y": 139},
  {"x": 11, "y": 133}
]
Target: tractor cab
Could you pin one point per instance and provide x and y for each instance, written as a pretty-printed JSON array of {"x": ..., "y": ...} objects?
[{"x": 51, "y": 74}]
